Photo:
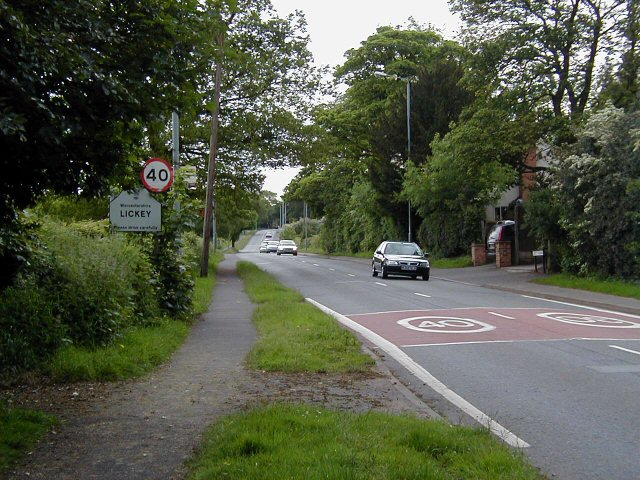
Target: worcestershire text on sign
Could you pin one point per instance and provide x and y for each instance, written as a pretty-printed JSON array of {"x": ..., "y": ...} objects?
[{"x": 135, "y": 212}]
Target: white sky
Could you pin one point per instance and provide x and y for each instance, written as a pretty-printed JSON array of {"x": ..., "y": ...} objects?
[{"x": 336, "y": 26}]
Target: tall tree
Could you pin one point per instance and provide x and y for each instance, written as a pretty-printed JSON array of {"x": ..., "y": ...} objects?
[
  {"x": 545, "y": 53},
  {"x": 371, "y": 116},
  {"x": 78, "y": 81}
]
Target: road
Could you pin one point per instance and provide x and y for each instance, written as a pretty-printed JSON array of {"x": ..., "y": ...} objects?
[{"x": 560, "y": 380}]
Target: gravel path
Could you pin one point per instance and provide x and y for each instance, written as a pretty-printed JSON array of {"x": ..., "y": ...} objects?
[{"x": 149, "y": 428}]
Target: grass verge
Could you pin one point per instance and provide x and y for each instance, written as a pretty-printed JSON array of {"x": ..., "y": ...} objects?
[
  {"x": 307, "y": 442},
  {"x": 20, "y": 430},
  {"x": 294, "y": 336},
  {"x": 612, "y": 287},
  {"x": 456, "y": 262},
  {"x": 138, "y": 352}
]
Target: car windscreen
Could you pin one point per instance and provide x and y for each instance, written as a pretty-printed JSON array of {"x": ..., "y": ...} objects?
[{"x": 402, "y": 249}]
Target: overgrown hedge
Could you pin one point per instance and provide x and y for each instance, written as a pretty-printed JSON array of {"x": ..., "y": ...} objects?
[{"x": 85, "y": 286}]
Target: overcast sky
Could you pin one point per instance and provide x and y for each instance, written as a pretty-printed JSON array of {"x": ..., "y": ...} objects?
[{"x": 336, "y": 26}]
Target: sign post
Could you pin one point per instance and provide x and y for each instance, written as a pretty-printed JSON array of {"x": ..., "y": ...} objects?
[
  {"x": 157, "y": 175},
  {"x": 135, "y": 212}
]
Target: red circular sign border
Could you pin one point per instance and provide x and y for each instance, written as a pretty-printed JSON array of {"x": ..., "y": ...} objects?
[{"x": 149, "y": 187}]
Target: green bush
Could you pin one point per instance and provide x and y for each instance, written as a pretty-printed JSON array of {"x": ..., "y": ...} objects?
[
  {"x": 79, "y": 288},
  {"x": 29, "y": 329}
]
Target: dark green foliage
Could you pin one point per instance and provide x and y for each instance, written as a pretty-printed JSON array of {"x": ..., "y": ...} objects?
[
  {"x": 175, "y": 277},
  {"x": 29, "y": 328},
  {"x": 73, "y": 208},
  {"x": 449, "y": 233},
  {"x": 77, "y": 79},
  {"x": 16, "y": 237},
  {"x": 593, "y": 197}
]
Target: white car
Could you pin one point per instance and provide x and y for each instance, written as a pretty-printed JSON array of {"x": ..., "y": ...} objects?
[
  {"x": 272, "y": 246},
  {"x": 287, "y": 246},
  {"x": 263, "y": 247}
]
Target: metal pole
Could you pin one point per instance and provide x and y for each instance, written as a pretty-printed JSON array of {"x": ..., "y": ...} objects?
[
  {"x": 306, "y": 233},
  {"x": 175, "y": 120},
  {"x": 409, "y": 143}
]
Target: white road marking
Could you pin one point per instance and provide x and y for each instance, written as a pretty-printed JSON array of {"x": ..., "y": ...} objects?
[
  {"x": 422, "y": 295},
  {"x": 625, "y": 349},
  {"x": 583, "y": 306},
  {"x": 351, "y": 274},
  {"x": 382, "y": 284},
  {"x": 500, "y": 315},
  {"x": 332, "y": 269},
  {"x": 316, "y": 265},
  {"x": 417, "y": 370}
]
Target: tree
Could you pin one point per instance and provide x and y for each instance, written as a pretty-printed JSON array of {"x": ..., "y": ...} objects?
[
  {"x": 369, "y": 121},
  {"x": 594, "y": 189},
  {"x": 80, "y": 80},
  {"x": 545, "y": 54},
  {"x": 469, "y": 168},
  {"x": 623, "y": 88}
]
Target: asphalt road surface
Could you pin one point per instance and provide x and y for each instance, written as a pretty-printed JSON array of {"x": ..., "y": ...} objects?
[{"x": 561, "y": 381}]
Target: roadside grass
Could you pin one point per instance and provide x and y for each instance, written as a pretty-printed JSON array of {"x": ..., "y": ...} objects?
[
  {"x": 287, "y": 441},
  {"x": 20, "y": 430},
  {"x": 138, "y": 351},
  {"x": 612, "y": 287},
  {"x": 294, "y": 336},
  {"x": 456, "y": 262}
]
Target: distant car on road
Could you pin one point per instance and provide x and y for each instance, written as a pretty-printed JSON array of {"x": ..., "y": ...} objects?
[
  {"x": 400, "y": 258},
  {"x": 268, "y": 235},
  {"x": 287, "y": 247},
  {"x": 272, "y": 246},
  {"x": 263, "y": 247}
]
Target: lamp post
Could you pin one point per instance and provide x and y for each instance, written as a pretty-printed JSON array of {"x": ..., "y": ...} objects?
[{"x": 408, "y": 81}]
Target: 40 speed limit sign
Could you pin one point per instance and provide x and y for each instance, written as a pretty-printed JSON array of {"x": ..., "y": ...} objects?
[{"x": 157, "y": 175}]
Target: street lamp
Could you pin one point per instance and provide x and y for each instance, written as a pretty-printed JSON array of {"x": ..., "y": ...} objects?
[{"x": 408, "y": 81}]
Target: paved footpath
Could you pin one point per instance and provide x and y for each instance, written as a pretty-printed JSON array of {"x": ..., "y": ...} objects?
[{"x": 149, "y": 428}]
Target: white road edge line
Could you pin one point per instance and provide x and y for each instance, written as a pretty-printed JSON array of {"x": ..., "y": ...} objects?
[
  {"x": 500, "y": 315},
  {"x": 625, "y": 349},
  {"x": 382, "y": 284},
  {"x": 406, "y": 361},
  {"x": 583, "y": 306},
  {"x": 422, "y": 295}
]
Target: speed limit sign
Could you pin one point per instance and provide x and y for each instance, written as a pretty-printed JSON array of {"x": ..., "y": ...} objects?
[{"x": 157, "y": 175}]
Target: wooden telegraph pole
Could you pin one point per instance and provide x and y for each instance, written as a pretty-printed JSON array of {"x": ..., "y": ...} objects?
[{"x": 209, "y": 208}]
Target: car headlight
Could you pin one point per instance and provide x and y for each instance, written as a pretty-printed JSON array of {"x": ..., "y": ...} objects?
[
  {"x": 424, "y": 264},
  {"x": 392, "y": 262}
]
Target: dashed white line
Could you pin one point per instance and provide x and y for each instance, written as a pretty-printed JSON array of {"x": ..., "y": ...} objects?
[
  {"x": 422, "y": 295},
  {"x": 332, "y": 269},
  {"x": 316, "y": 265},
  {"x": 500, "y": 315},
  {"x": 351, "y": 274},
  {"x": 382, "y": 284},
  {"x": 624, "y": 349},
  {"x": 422, "y": 374}
]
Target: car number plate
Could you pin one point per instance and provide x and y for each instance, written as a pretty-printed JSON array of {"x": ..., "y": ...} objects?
[{"x": 409, "y": 268}]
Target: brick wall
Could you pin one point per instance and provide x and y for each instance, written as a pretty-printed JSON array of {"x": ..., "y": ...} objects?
[
  {"x": 479, "y": 254},
  {"x": 503, "y": 254}
]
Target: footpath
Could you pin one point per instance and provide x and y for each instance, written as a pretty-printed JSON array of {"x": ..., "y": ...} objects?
[{"x": 147, "y": 429}]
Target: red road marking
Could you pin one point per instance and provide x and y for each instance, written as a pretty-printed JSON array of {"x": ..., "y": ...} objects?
[{"x": 511, "y": 324}]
